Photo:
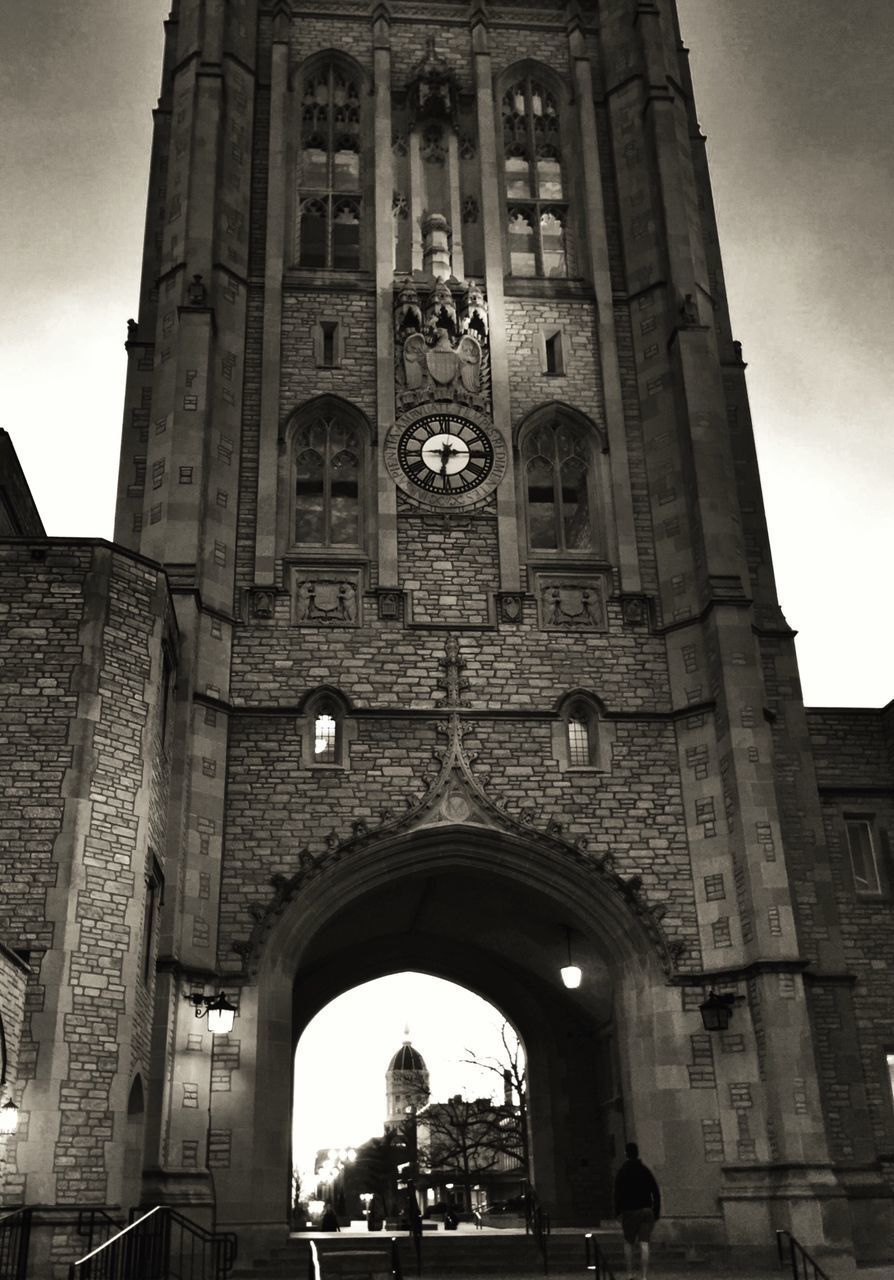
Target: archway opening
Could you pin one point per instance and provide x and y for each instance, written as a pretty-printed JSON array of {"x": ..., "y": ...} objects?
[{"x": 409, "y": 1086}]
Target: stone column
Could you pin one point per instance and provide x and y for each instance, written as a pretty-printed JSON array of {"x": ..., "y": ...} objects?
[
  {"x": 597, "y": 240},
  {"x": 384, "y": 242},
  {"x": 507, "y": 521},
  {"x": 274, "y": 265}
]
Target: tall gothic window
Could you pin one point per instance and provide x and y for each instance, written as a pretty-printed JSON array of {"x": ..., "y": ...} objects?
[
  {"x": 329, "y": 181},
  {"x": 560, "y": 488},
  {"x": 327, "y": 458},
  {"x": 535, "y": 187}
]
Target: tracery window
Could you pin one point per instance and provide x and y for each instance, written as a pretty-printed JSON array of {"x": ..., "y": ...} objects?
[
  {"x": 329, "y": 179},
  {"x": 326, "y": 736},
  {"x": 535, "y": 186},
  {"x": 327, "y": 458},
  {"x": 559, "y": 486}
]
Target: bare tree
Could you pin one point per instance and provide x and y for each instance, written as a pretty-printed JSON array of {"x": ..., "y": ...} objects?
[
  {"x": 509, "y": 1122},
  {"x": 458, "y": 1137}
]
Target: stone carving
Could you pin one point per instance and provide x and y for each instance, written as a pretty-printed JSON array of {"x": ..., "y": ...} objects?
[
  {"x": 510, "y": 606},
  {"x": 689, "y": 317},
  {"x": 326, "y": 601},
  {"x": 467, "y": 147},
  {"x": 196, "y": 293},
  {"x": 569, "y": 605},
  {"x": 132, "y": 330},
  {"x": 399, "y": 144},
  {"x": 399, "y": 206},
  {"x": 389, "y": 605},
  {"x": 636, "y": 611},
  {"x": 432, "y": 92},
  {"x": 441, "y": 348},
  {"x": 262, "y": 605},
  {"x": 470, "y": 209},
  {"x": 433, "y": 147},
  {"x": 474, "y": 313}
]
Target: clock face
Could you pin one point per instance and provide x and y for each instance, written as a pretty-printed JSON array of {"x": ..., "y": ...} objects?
[
  {"x": 444, "y": 455},
  {"x": 443, "y": 460}
]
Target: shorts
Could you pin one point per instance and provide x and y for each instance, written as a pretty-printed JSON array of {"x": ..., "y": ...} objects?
[{"x": 637, "y": 1224}]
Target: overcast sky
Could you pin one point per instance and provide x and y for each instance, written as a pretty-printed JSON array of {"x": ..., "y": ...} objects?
[{"x": 795, "y": 97}]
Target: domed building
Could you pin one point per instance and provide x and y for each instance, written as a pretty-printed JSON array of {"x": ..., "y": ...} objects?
[{"x": 406, "y": 1084}]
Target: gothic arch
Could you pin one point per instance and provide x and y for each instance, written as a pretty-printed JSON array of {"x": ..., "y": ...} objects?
[
  {"x": 453, "y": 900},
  {"x": 549, "y": 438},
  {"x": 358, "y": 129},
  {"x": 345, "y": 431}
]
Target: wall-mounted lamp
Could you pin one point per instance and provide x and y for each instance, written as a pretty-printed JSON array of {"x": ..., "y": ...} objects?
[
  {"x": 9, "y": 1112},
  {"x": 9, "y": 1117},
  {"x": 220, "y": 1013},
  {"x": 571, "y": 973},
  {"x": 717, "y": 1010}
]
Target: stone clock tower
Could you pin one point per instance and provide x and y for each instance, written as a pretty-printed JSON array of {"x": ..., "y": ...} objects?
[{"x": 466, "y": 642}]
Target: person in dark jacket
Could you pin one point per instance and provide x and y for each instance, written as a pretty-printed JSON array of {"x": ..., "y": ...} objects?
[{"x": 638, "y": 1205}]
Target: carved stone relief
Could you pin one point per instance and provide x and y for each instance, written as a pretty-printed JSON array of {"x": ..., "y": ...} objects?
[
  {"x": 570, "y": 602},
  {"x": 441, "y": 346},
  {"x": 327, "y": 599}
]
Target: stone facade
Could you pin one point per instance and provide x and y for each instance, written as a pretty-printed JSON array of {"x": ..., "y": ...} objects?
[{"x": 430, "y": 709}]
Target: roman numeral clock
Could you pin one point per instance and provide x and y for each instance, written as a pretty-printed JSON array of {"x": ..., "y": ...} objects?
[{"x": 445, "y": 459}]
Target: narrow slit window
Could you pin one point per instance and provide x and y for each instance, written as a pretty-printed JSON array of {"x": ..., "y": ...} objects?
[
  {"x": 554, "y": 361},
  {"x": 864, "y": 864},
  {"x": 329, "y": 328}
]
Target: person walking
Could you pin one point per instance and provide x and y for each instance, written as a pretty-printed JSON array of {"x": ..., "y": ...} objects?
[{"x": 638, "y": 1205}]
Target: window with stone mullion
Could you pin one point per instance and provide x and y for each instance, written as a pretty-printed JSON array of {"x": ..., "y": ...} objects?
[
  {"x": 534, "y": 185},
  {"x": 329, "y": 235}
]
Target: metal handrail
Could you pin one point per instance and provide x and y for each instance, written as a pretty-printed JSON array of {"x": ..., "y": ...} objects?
[
  {"x": 144, "y": 1249},
  {"x": 799, "y": 1259},
  {"x": 15, "y": 1235},
  {"x": 595, "y": 1260}
]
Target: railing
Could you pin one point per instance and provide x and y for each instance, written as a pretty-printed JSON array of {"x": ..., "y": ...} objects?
[
  {"x": 537, "y": 1223},
  {"x": 595, "y": 1259},
  {"x": 15, "y": 1232},
  {"x": 96, "y": 1224},
  {"x": 160, "y": 1245},
  {"x": 314, "y": 1271},
  {"x": 803, "y": 1266}
]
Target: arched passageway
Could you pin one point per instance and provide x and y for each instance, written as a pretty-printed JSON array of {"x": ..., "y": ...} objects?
[{"x": 487, "y": 911}]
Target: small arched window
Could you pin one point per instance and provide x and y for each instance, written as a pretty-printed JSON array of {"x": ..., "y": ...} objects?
[
  {"x": 582, "y": 738},
  {"x": 329, "y": 177},
  {"x": 535, "y": 184},
  {"x": 326, "y": 731},
  {"x": 327, "y": 455},
  {"x": 326, "y": 735},
  {"x": 560, "y": 490}
]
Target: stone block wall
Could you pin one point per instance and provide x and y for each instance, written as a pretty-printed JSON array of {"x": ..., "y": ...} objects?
[
  {"x": 83, "y": 630},
  {"x": 13, "y": 984},
  {"x": 855, "y": 773}
]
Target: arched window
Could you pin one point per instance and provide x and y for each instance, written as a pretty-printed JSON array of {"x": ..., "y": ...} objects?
[
  {"x": 326, "y": 730},
  {"x": 582, "y": 739},
  {"x": 329, "y": 177},
  {"x": 327, "y": 455},
  {"x": 558, "y": 464},
  {"x": 326, "y": 734},
  {"x": 535, "y": 186}
]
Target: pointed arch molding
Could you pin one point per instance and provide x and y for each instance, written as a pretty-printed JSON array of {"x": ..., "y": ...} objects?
[{"x": 457, "y": 823}]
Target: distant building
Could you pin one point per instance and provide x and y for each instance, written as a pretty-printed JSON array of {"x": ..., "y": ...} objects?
[{"x": 407, "y": 1087}]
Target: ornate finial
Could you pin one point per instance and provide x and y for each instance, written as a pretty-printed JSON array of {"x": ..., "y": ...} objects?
[{"x": 406, "y": 1033}]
